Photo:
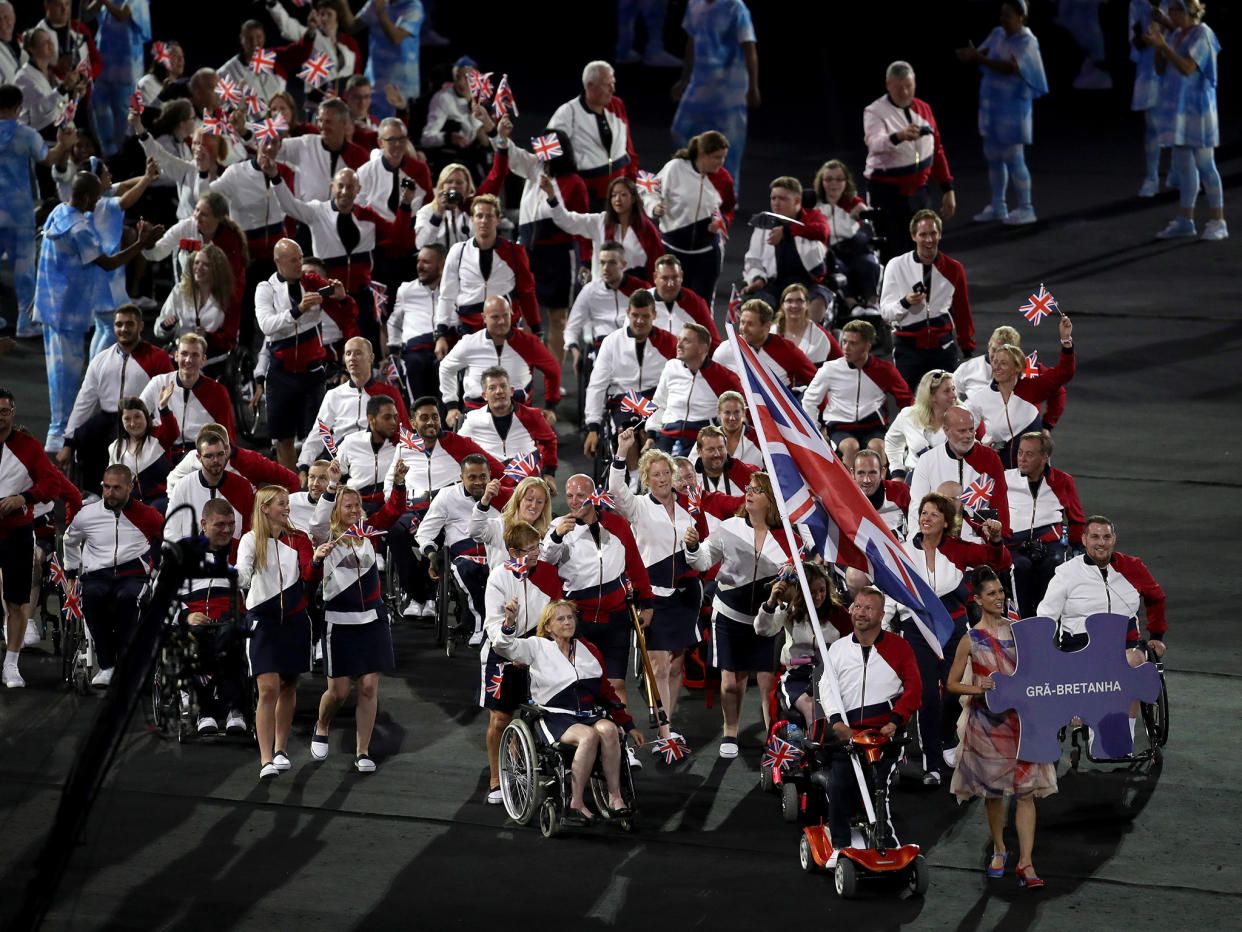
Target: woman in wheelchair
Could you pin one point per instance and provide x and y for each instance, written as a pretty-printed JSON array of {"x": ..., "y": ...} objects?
[
  {"x": 145, "y": 447},
  {"x": 357, "y": 638},
  {"x": 567, "y": 679},
  {"x": 987, "y": 761}
]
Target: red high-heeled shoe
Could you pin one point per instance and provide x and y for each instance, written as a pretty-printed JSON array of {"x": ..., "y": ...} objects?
[{"x": 1027, "y": 878}]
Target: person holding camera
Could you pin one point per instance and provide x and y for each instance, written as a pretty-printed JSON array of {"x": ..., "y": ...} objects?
[
  {"x": 1047, "y": 517},
  {"x": 926, "y": 302}
]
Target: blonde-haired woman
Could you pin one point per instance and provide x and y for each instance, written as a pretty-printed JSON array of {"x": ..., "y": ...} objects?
[
  {"x": 751, "y": 548},
  {"x": 274, "y": 562},
  {"x": 197, "y": 304},
  {"x": 357, "y": 639},
  {"x": 567, "y": 677},
  {"x": 530, "y": 501},
  {"x": 446, "y": 220},
  {"x": 920, "y": 426},
  {"x": 660, "y": 520}
]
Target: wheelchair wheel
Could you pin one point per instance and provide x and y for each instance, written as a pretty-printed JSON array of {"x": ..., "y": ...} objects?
[
  {"x": 805, "y": 859},
  {"x": 549, "y": 819},
  {"x": 789, "y": 802},
  {"x": 1156, "y": 717},
  {"x": 846, "y": 878},
  {"x": 520, "y": 785},
  {"x": 443, "y": 593},
  {"x": 919, "y": 875},
  {"x": 251, "y": 424},
  {"x": 394, "y": 596},
  {"x": 69, "y": 652}
]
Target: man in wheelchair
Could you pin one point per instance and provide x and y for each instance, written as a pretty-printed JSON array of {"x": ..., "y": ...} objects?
[
  {"x": 568, "y": 680},
  {"x": 218, "y": 665},
  {"x": 877, "y": 686}
]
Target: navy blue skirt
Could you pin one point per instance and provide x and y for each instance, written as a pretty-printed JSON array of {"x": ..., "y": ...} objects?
[
  {"x": 675, "y": 622},
  {"x": 736, "y": 647},
  {"x": 279, "y": 645},
  {"x": 355, "y": 650}
]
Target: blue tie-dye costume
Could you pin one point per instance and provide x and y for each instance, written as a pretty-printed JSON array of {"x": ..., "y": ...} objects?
[
  {"x": 393, "y": 64},
  {"x": 120, "y": 45},
  {"x": 19, "y": 147}
]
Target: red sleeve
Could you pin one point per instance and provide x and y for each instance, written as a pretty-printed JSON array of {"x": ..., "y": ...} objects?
[
  {"x": 617, "y": 106},
  {"x": 720, "y": 505},
  {"x": 420, "y": 174},
  {"x": 653, "y": 245},
  {"x": 365, "y": 138},
  {"x": 739, "y": 472},
  {"x": 459, "y": 447},
  {"x": 606, "y": 691},
  {"x": 1062, "y": 483},
  {"x": 814, "y": 226},
  {"x": 663, "y": 341},
  {"x": 537, "y": 356},
  {"x": 899, "y": 655},
  {"x": 527, "y": 305},
  {"x": 940, "y": 164},
  {"x": 260, "y": 471},
  {"x": 963, "y": 321},
  {"x": 574, "y": 197},
  {"x": 898, "y": 493},
  {"x": 542, "y": 433},
  {"x": 834, "y": 348},
  {"x": 44, "y": 477},
  {"x": 215, "y": 398},
  {"x": 698, "y": 310},
  {"x": 393, "y": 509},
  {"x": 154, "y": 361},
  {"x": 383, "y": 388},
  {"x": 985, "y": 460},
  {"x": 889, "y": 379},
  {"x": 1139, "y": 576},
  {"x": 720, "y": 379},
  {"x": 293, "y": 56},
  {"x": 305, "y": 550},
  {"x": 1044, "y": 385},
  {"x": 1055, "y": 407},
  {"x": 72, "y": 497},
  {"x": 965, "y": 554},
  {"x": 634, "y": 566},
  {"x": 495, "y": 181},
  {"x": 722, "y": 181},
  {"x": 95, "y": 58},
  {"x": 168, "y": 430},
  {"x": 147, "y": 519}
]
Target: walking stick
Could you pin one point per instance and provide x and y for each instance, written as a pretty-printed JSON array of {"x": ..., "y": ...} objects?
[{"x": 655, "y": 706}]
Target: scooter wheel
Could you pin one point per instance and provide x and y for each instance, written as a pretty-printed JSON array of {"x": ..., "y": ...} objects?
[
  {"x": 805, "y": 858},
  {"x": 846, "y": 878},
  {"x": 919, "y": 875},
  {"x": 765, "y": 780},
  {"x": 789, "y": 802}
]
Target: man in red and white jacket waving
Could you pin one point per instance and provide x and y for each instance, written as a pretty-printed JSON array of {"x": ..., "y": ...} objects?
[
  {"x": 853, "y": 392},
  {"x": 196, "y": 400},
  {"x": 926, "y": 302},
  {"x": 27, "y": 477},
  {"x": 903, "y": 153},
  {"x": 872, "y": 681},
  {"x": 110, "y": 542}
]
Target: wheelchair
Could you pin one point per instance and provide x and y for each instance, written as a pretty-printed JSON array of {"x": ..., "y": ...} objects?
[
  {"x": 535, "y": 778},
  {"x": 1155, "y": 719},
  {"x": 454, "y": 621},
  {"x": 238, "y": 377},
  {"x": 77, "y": 659},
  {"x": 179, "y": 668}
]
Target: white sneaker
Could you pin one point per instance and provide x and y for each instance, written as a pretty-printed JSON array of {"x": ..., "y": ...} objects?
[
  {"x": 318, "y": 652},
  {"x": 207, "y": 725},
  {"x": 635, "y": 763},
  {"x": 319, "y": 746},
  {"x": 280, "y": 760},
  {"x": 728, "y": 748},
  {"x": 1020, "y": 217},
  {"x": 495, "y": 797},
  {"x": 235, "y": 724},
  {"x": 950, "y": 756},
  {"x": 1149, "y": 188},
  {"x": 12, "y": 677},
  {"x": 412, "y": 609},
  {"x": 1213, "y": 230},
  {"x": 429, "y": 609},
  {"x": 476, "y": 639},
  {"x": 269, "y": 771},
  {"x": 1177, "y": 228},
  {"x": 102, "y": 678},
  {"x": 34, "y": 636},
  {"x": 987, "y": 215}
]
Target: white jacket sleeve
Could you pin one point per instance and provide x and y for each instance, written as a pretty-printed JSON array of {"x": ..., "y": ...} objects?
[
  {"x": 707, "y": 554},
  {"x": 321, "y": 520},
  {"x": 815, "y": 393}
]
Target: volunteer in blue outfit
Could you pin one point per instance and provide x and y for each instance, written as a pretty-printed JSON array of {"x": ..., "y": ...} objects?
[
  {"x": 720, "y": 76},
  {"x": 393, "y": 29},
  {"x": 1012, "y": 77},
  {"x": 124, "y": 29},
  {"x": 1186, "y": 115},
  {"x": 1147, "y": 87}
]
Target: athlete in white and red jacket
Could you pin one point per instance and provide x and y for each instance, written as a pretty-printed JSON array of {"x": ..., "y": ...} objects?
[
  {"x": 196, "y": 400},
  {"x": 631, "y": 358},
  {"x": 677, "y": 306},
  {"x": 782, "y": 356},
  {"x": 689, "y": 390},
  {"x": 507, "y": 430},
  {"x": 599, "y": 130}
]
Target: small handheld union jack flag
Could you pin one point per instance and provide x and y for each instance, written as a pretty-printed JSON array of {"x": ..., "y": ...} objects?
[
  {"x": 600, "y": 498},
  {"x": 779, "y": 755},
  {"x": 379, "y": 295},
  {"x": 271, "y": 128},
  {"x": 410, "y": 440},
  {"x": 72, "y": 606},
  {"x": 503, "y": 102},
  {"x": 228, "y": 91},
  {"x": 517, "y": 567},
  {"x": 56, "y": 573},
  {"x": 162, "y": 53},
  {"x": 67, "y": 115},
  {"x": 721, "y": 227},
  {"x": 735, "y": 305},
  {"x": 522, "y": 467},
  {"x": 317, "y": 71},
  {"x": 255, "y": 104},
  {"x": 136, "y": 103},
  {"x": 546, "y": 148},
  {"x": 978, "y": 493},
  {"x": 325, "y": 435},
  {"x": 480, "y": 85},
  {"x": 674, "y": 748},
  {"x": 694, "y": 500},
  {"x": 1040, "y": 305},
  {"x": 641, "y": 405},
  {"x": 263, "y": 61},
  {"x": 84, "y": 71},
  {"x": 494, "y": 683},
  {"x": 1011, "y": 611},
  {"x": 649, "y": 182},
  {"x": 362, "y": 529},
  {"x": 1031, "y": 369},
  {"x": 216, "y": 124},
  {"x": 392, "y": 375}
]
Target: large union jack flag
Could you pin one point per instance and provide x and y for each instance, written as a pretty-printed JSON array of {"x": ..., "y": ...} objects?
[
  {"x": 522, "y": 467},
  {"x": 1041, "y": 305},
  {"x": 814, "y": 489},
  {"x": 641, "y": 405},
  {"x": 978, "y": 493}
]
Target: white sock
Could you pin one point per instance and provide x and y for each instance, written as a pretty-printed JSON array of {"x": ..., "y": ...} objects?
[{"x": 10, "y": 658}]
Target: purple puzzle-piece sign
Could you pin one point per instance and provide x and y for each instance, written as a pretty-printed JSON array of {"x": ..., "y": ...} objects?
[{"x": 1050, "y": 687}]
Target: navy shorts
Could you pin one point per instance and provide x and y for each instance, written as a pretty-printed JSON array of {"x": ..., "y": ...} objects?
[
  {"x": 293, "y": 401},
  {"x": 675, "y": 623},
  {"x": 553, "y": 265},
  {"x": 613, "y": 640},
  {"x": 505, "y": 685},
  {"x": 355, "y": 650},
  {"x": 279, "y": 645},
  {"x": 796, "y": 683},
  {"x": 17, "y": 563},
  {"x": 736, "y": 647}
]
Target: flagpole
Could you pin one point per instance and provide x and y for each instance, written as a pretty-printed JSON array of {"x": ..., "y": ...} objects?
[{"x": 830, "y": 677}]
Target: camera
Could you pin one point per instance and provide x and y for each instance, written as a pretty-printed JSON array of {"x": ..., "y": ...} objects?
[
  {"x": 1033, "y": 549},
  {"x": 326, "y": 291},
  {"x": 454, "y": 198},
  {"x": 409, "y": 184},
  {"x": 918, "y": 288}
]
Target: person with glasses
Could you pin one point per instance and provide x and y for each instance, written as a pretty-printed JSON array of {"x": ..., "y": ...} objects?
[
  {"x": 850, "y": 240},
  {"x": 920, "y": 426},
  {"x": 751, "y": 548},
  {"x": 794, "y": 323}
]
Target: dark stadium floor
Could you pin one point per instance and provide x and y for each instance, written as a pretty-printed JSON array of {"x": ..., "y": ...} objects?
[{"x": 184, "y": 836}]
